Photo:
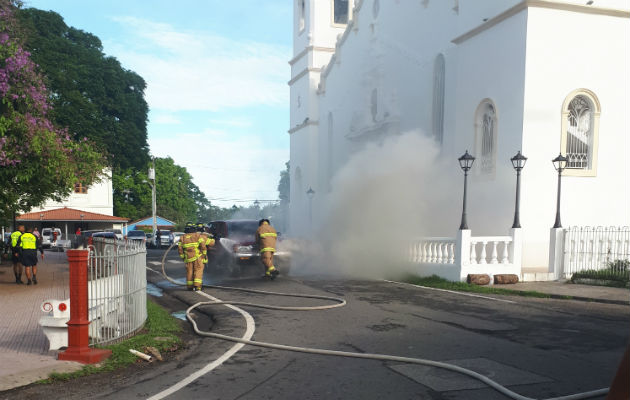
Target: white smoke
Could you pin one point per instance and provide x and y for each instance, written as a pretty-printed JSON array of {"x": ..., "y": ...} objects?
[{"x": 385, "y": 195}]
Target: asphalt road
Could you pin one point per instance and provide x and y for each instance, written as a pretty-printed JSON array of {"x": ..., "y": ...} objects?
[{"x": 536, "y": 347}]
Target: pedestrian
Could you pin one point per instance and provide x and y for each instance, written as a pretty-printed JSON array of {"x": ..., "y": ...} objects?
[
  {"x": 158, "y": 236},
  {"x": 192, "y": 249},
  {"x": 266, "y": 237},
  {"x": 78, "y": 232},
  {"x": 36, "y": 233},
  {"x": 15, "y": 254},
  {"x": 28, "y": 244}
]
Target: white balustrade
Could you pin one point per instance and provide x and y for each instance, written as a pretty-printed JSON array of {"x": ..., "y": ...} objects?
[
  {"x": 490, "y": 245},
  {"x": 433, "y": 250}
]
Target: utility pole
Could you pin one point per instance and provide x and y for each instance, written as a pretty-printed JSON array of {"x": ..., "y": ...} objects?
[{"x": 151, "y": 177}]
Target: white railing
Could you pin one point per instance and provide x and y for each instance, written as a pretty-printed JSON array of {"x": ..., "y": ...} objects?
[
  {"x": 490, "y": 249},
  {"x": 117, "y": 284},
  {"x": 433, "y": 250},
  {"x": 595, "y": 248}
]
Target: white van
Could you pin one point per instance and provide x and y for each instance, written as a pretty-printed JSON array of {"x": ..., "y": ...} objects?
[{"x": 48, "y": 237}]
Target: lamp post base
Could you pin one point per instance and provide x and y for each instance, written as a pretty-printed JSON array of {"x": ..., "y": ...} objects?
[{"x": 84, "y": 355}]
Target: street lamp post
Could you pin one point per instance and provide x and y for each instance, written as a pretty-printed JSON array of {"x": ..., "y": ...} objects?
[
  {"x": 81, "y": 222},
  {"x": 465, "y": 162},
  {"x": 151, "y": 176},
  {"x": 559, "y": 163},
  {"x": 310, "y": 193},
  {"x": 518, "y": 162}
]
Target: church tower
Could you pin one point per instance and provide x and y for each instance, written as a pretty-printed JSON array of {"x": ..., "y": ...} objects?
[{"x": 316, "y": 26}]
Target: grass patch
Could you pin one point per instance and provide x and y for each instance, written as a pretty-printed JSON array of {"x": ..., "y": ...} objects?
[
  {"x": 617, "y": 274},
  {"x": 159, "y": 324},
  {"x": 435, "y": 281}
]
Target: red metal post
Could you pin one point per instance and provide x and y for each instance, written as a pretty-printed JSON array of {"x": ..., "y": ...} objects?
[{"x": 78, "y": 325}]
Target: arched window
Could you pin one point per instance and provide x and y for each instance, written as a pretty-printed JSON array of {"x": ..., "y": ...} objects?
[
  {"x": 329, "y": 153},
  {"x": 486, "y": 136},
  {"x": 580, "y": 128},
  {"x": 302, "y": 11},
  {"x": 439, "y": 70},
  {"x": 341, "y": 10}
]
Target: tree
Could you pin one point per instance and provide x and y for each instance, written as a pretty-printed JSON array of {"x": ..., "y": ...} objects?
[
  {"x": 93, "y": 95},
  {"x": 284, "y": 185},
  {"x": 38, "y": 160}
]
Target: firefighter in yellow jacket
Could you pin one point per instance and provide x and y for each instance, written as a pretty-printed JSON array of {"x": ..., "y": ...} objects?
[
  {"x": 192, "y": 249},
  {"x": 266, "y": 237},
  {"x": 208, "y": 239}
]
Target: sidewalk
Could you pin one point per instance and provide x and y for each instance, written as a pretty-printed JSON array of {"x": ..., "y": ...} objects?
[
  {"x": 561, "y": 289},
  {"x": 24, "y": 355}
]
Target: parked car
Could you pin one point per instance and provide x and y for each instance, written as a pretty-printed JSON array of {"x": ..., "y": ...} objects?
[
  {"x": 49, "y": 238},
  {"x": 116, "y": 232},
  {"x": 105, "y": 234},
  {"x": 166, "y": 238},
  {"x": 236, "y": 245},
  {"x": 136, "y": 235}
]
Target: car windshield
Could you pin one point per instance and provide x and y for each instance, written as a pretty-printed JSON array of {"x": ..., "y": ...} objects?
[
  {"x": 242, "y": 228},
  {"x": 136, "y": 233}
]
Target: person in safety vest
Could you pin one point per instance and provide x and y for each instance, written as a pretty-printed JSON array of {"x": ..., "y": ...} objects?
[
  {"x": 266, "y": 237},
  {"x": 192, "y": 249},
  {"x": 15, "y": 254},
  {"x": 28, "y": 244},
  {"x": 208, "y": 240}
]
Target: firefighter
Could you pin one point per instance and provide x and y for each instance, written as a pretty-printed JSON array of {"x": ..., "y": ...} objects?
[
  {"x": 28, "y": 244},
  {"x": 208, "y": 240},
  {"x": 192, "y": 249},
  {"x": 15, "y": 254},
  {"x": 266, "y": 240}
]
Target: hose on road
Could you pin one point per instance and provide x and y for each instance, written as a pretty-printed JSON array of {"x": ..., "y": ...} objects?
[{"x": 340, "y": 303}]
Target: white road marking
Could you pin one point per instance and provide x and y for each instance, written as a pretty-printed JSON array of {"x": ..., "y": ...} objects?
[
  {"x": 249, "y": 332},
  {"x": 452, "y": 291},
  {"x": 154, "y": 262}
]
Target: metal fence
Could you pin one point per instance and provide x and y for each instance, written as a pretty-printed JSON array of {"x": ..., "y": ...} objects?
[
  {"x": 603, "y": 250},
  {"x": 117, "y": 298}
]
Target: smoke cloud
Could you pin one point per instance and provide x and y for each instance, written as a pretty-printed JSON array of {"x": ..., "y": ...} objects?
[{"x": 385, "y": 195}]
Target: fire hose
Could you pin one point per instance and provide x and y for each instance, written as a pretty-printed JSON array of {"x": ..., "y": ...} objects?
[{"x": 340, "y": 303}]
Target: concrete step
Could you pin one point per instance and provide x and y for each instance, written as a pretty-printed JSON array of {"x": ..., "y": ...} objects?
[{"x": 536, "y": 274}]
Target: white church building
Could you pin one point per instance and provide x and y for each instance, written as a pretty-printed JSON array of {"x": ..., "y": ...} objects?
[{"x": 493, "y": 77}]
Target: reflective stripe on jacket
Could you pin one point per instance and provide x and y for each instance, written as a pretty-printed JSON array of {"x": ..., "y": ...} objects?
[
  {"x": 266, "y": 237},
  {"x": 191, "y": 246}
]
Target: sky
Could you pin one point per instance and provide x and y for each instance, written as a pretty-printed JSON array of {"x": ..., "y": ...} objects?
[{"x": 216, "y": 74}]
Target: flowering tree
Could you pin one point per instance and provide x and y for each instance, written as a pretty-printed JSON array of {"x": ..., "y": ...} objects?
[{"x": 38, "y": 161}]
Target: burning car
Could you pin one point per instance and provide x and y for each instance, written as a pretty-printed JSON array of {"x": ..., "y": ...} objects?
[{"x": 236, "y": 246}]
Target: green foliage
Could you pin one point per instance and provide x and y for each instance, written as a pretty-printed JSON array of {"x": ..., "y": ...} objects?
[
  {"x": 435, "y": 281},
  {"x": 93, "y": 95},
  {"x": 616, "y": 275},
  {"x": 284, "y": 185},
  {"x": 38, "y": 160}
]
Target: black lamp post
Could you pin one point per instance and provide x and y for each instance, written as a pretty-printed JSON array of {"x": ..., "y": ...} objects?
[
  {"x": 559, "y": 163},
  {"x": 82, "y": 222},
  {"x": 518, "y": 162},
  {"x": 465, "y": 162},
  {"x": 310, "y": 193}
]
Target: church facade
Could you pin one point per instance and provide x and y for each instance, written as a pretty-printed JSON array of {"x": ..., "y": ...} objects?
[{"x": 491, "y": 77}]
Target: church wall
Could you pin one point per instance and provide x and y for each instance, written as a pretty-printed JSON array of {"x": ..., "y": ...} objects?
[{"x": 591, "y": 52}]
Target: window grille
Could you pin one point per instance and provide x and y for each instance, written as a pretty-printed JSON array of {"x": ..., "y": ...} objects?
[
  {"x": 486, "y": 137},
  {"x": 579, "y": 133},
  {"x": 79, "y": 188}
]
